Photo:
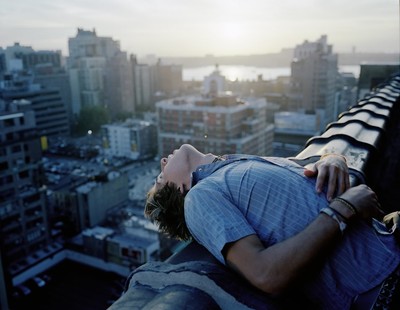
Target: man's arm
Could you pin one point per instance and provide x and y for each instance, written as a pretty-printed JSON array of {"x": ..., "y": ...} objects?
[{"x": 276, "y": 268}]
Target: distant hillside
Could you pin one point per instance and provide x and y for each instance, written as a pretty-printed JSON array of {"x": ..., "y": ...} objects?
[{"x": 282, "y": 59}]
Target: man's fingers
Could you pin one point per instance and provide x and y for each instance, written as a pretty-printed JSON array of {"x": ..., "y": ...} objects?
[
  {"x": 331, "y": 174},
  {"x": 321, "y": 178},
  {"x": 332, "y": 183},
  {"x": 343, "y": 183}
]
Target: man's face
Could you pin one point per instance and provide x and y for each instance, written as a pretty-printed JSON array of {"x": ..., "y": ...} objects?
[{"x": 176, "y": 168}]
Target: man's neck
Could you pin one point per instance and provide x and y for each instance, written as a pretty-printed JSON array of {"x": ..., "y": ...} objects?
[{"x": 208, "y": 158}]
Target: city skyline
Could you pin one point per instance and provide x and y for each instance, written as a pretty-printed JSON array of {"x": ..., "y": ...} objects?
[{"x": 176, "y": 28}]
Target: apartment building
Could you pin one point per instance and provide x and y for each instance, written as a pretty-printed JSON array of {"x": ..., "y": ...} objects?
[
  {"x": 134, "y": 139},
  {"x": 219, "y": 124},
  {"x": 84, "y": 204}
]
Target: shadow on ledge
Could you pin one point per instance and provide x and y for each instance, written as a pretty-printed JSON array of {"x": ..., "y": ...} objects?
[{"x": 193, "y": 279}]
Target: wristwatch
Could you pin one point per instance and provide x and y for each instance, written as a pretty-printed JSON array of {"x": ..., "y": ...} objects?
[{"x": 330, "y": 212}]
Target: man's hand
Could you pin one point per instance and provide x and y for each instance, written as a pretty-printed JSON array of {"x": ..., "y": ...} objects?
[
  {"x": 331, "y": 170},
  {"x": 365, "y": 202}
]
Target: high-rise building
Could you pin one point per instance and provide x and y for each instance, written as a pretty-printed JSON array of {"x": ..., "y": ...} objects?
[
  {"x": 313, "y": 79},
  {"x": 143, "y": 84},
  {"x": 24, "y": 227},
  {"x": 221, "y": 124},
  {"x": 100, "y": 73}
]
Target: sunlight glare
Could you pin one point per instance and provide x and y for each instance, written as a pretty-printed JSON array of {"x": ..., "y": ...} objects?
[{"x": 232, "y": 31}]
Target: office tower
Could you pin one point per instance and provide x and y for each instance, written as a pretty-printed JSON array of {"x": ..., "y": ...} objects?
[
  {"x": 100, "y": 73},
  {"x": 134, "y": 139},
  {"x": 313, "y": 79},
  {"x": 221, "y": 124},
  {"x": 50, "y": 110}
]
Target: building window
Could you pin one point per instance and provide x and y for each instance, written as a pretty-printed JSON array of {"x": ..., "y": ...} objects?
[
  {"x": 9, "y": 122},
  {"x": 24, "y": 174},
  {"x": 3, "y": 166},
  {"x": 16, "y": 149}
]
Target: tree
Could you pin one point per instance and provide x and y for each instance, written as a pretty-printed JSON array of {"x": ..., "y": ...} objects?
[{"x": 91, "y": 118}]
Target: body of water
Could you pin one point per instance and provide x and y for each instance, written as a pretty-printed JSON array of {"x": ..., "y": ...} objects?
[{"x": 248, "y": 73}]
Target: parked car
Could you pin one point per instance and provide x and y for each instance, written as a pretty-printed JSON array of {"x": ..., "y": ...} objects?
[
  {"x": 21, "y": 291},
  {"x": 46, "y": 278},
  {"x": 39, "y": 281},
  {"x": 35, "y": 283}
]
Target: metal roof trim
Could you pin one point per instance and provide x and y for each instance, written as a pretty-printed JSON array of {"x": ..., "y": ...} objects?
[
  {"x": 357, "y": 111},
  {"x": 351, "y": 140},
  {"x": 357, "y": 121}
]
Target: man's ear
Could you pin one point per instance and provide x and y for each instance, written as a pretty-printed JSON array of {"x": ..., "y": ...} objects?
[{"x": 183, "y": 188}]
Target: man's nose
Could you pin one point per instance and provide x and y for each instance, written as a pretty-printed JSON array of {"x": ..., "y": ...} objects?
[{"x": 163, "y": 162}]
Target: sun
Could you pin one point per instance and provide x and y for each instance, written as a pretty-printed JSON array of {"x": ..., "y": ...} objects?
[{"x": 231, "y": 31}]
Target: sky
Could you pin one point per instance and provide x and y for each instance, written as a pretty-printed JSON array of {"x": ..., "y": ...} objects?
[{"x": 175, "y": 28}]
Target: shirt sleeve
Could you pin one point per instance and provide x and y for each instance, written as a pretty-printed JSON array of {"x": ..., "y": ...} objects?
[{"x": 214, "y": 220}]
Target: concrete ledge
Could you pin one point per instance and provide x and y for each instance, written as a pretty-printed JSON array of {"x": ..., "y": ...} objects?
[{"x": 195, "y": 285}]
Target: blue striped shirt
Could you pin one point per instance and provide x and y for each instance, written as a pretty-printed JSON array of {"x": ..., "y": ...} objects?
[{"x": 271, "y": 197}]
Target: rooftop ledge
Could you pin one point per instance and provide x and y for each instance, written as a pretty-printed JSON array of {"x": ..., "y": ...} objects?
[{"x": 368, "y": 135}]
